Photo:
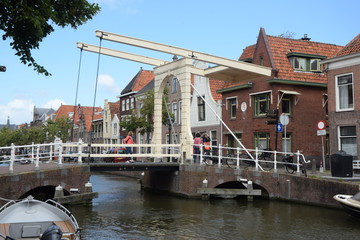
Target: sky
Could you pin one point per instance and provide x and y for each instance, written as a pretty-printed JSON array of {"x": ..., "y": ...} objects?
[{"x": 222, "y": 28}]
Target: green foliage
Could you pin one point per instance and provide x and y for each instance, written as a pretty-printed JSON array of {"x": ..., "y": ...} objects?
[
  {"x": 26, "y": 136},
  {"x": 59, "y": 128},
  {"x": 27, "y": 23},
  {"x": 144, "y": 122}
]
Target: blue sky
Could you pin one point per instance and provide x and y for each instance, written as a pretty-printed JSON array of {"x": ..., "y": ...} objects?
[{"x": 222, "y": 28}]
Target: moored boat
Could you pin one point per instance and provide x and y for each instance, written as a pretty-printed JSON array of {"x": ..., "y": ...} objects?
[
  {"x": 32, "y": 219},
  {"x": 351, "y": 203}
]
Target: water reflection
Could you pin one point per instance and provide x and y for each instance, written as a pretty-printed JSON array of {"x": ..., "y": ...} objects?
[{"x": 123, "y": 211}]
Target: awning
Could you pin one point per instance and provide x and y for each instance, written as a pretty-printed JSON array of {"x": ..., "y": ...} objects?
[{"x": 290, "y": 93}]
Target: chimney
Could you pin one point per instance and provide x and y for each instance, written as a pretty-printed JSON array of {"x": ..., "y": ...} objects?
[{"x": 305, "y": 38}]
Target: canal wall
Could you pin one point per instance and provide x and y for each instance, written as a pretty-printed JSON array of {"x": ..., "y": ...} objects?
[
  {"x": 312, "y": 190},
  {"x": 15, "y": 185}
]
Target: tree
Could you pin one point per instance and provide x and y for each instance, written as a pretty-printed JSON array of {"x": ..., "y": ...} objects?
[
  {"x": 27, "y": 23},
  {"x": 144, "y": 122},
  {"x": 59, "y": 128}
]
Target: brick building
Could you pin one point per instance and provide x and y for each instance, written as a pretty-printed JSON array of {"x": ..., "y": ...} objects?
[
  {"x": 127, "y": 95},
  {"x": 297, "y": 88},
  {"x": 344, "y": 104}
]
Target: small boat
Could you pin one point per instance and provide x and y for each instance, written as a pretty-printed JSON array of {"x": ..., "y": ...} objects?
[
  {"x": 31, "y": 219},
  {"x": 351, "y": 203}
]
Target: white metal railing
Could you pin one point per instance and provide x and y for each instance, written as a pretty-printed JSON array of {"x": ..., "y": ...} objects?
[
  {"x": 259, "y": 158},
  {"x": 58, "y": 151}
]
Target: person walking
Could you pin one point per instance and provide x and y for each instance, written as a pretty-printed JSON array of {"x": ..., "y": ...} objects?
[
  {"x": 129, "y": 140},
  {"x": 196, "y": 147},
  {"x": 207, "y": 146}
]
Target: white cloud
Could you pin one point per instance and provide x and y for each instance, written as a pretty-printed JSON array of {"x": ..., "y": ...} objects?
[
  {"x": 108, "y": 83},
  {"x": 54, "y": 104},
  {"x": 21, "y": 111},
  {"x": 18, "y": 110}
]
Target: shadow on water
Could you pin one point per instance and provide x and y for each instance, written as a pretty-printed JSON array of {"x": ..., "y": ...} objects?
[{"x": 123, "y": 211}]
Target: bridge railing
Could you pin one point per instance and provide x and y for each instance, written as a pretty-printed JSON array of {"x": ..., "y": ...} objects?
[
  {"x": 236, "y": 157},
  {"x": 57, "y": 152}
]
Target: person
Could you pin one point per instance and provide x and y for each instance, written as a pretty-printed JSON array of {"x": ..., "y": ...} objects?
[
  {"x": 197, "y": 143},
  {"x": 129, "y": 140},
  {"x": 207, "y": 146}
]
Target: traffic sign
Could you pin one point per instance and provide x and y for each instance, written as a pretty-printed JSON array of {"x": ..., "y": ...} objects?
[
  {"x": 279, "y": 127},
  {"x": 321, "y": 132},
  {"x": 321, "y": 125},
  {"x": 284, "y": 119}
]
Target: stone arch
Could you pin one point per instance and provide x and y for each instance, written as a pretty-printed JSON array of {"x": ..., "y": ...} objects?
[
  {"x": 239, "y": 185},
  {"x": 43, "y": 192},
  {"x": 179, "y": 69}
]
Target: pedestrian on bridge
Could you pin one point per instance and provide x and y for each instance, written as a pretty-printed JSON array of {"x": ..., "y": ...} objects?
[
  {"x": 197, "y": 145},
  {"x": 129, "y": 140}
]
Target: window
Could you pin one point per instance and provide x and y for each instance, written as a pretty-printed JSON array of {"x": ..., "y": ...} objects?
[
  {"x": 315, "y": 65},
  {"x": 347, "y": 140},
  {"x": 232, "y": 107},
  {"x": 175, "y": 112},
  {"x": 344, "y": 94},
  {"x": 115, "y": 129},
  {"x": 262, "y": 103},
  {"x": 286, "y": 142},
  {"x": 132, "y": 103},
  {"x": 232, "y": 142},
  {"x": 174, "y": 85},
  {"x": 213, "y": 137},
  {"x": 299, "y": 63},
  {"x": 123, "y": 105},
  {"x": 201, "y": 109},
  {"x": 286, "y": 104},
  {"x": 180, "y": 110},
  {"x": 127, "y": 104},
  {"x": 262, "y": 140}
]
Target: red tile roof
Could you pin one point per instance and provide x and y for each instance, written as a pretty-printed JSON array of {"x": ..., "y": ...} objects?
[
  {"x": 87, "y": 112},
  {"x": 352, "y": 47},
  {"x": 214, "y": 86},
  {"x": 114, "y": 109},
  {"x": 279, "y": 47},
  {"x": 144, "y": 78}
]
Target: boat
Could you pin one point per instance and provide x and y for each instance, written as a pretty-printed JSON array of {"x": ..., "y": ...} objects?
[
  {"x": 31, "y": 219},
  {"x": 351, "y": 203}
]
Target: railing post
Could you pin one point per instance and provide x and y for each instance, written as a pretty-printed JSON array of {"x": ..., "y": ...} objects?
[
  {"x": 237, "y": 158},
  {"x": 32, "y": 151},
  {"x": 201, "y": 154},
  {"x": 297, "y": 162},
  {"x": 219, "y": 155},
  {"x": 12, "y": 158},
  {"x": 275, "y": 165},
  {"x": 37, "y": 157},
  {"x": 257, "y": 159},
  {"x": 60, "y": 153},
  {"x": 80, "y": 151},
  {"x": 51, "y": 152}
]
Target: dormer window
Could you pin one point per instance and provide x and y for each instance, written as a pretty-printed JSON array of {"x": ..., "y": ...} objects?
[
  {"x": 305, "y": 62},
  {"x": 315, "y": 65},
  {"x": 299, "y": 63}
]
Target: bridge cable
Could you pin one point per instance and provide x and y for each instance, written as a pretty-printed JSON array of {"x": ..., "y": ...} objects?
[
  {"x": 95, "y": 91},
  {"x": 76, "y": 93}
]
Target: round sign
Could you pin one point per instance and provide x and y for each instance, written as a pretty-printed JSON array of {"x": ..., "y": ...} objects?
[
  {"x": 243, "y": 106},
  {"x": 284, "y": 119},
  {"x": 321, "y": 125}
]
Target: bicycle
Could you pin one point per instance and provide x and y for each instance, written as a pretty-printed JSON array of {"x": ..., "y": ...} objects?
[
  {"x": 265, "y": 157},
  {"x": 291, "y": 167}
]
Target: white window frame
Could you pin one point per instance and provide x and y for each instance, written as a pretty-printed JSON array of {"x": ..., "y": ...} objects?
[
  {"x": 317, "y": 65},
  {"x": 338, "y": 109},
  {"x": 175, "y": 111},
  {"x": 343, "y": 137}
]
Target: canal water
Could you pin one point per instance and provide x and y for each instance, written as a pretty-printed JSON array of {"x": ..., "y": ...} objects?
[{"x": 123, "y": 211}]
